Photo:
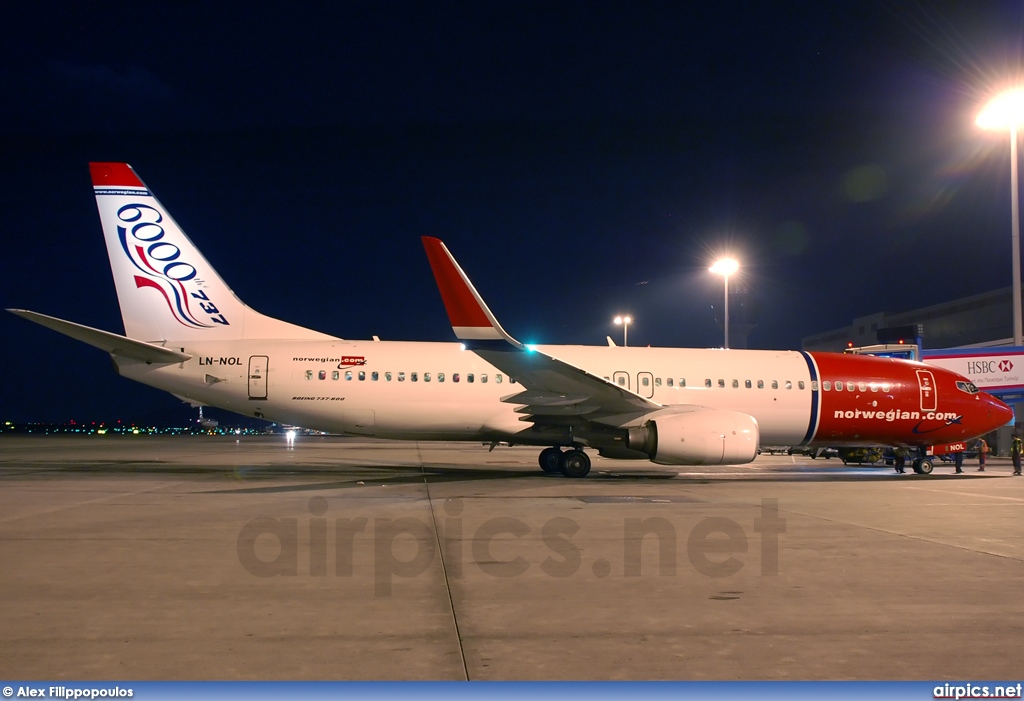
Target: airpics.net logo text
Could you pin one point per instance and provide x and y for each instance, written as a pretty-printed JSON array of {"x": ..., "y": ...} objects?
[{"x": 502, "y": 546}]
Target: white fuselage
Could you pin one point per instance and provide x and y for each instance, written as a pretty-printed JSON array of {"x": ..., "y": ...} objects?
[{"x": 438, "y": 391}]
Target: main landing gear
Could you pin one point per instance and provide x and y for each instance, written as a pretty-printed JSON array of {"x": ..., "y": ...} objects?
[{"x": 571, "y": 463}]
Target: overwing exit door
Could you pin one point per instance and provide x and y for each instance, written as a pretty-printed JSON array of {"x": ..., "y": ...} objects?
[
  {"x": 621, "y": 379},
  {"x": 258, "y": 376}
]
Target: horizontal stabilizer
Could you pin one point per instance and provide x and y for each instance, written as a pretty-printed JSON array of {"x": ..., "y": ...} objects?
[{"x": 113, "y": 343}]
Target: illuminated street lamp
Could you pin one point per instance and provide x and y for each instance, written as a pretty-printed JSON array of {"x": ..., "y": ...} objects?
[
  {"x": 725, "y": 267},
  {"x": 1006, "y": 111},
  {"x": 624, "y": 321}
]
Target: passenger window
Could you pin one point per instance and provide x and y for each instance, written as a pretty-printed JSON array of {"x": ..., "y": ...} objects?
[
  {"x": 387, "y": 376},
  {"x": 839, "y": 387},
  {"x": 814, "y": 385},
  {"x": 455, "y": 377},
  {"x": 669, "y": 382},
  {"x": 827, "y": 385},
  {"x": 440, "y": 377},
  {"x": 426, "y": 377},
  {"x": 348, "y": 375},
  {"x": 862, "y": 386},
  {"x": 850, "y": 387},
  {"x": 622, "y": 383},
  {"x": 401, "y": 377},
  {"x": 497, "y": 378},
  {"x": 800, "y": 384},
  {"x": 747, "y": 384},
  {"x": 309, "y": 374},
  {"x": 483, "y": 377},
  {"x": 322, "y": 375},
  {"x": 735, "y": 384},
  {"x": 775, "y": 384},
  {"x": 414, "y": 376},
  {"x": 707, "y": 383},
  {"x": 374, "y": 376},
  {"x": 469, "y": 377},
  {"x": 682, "y": 381},
  {"x": 760, "y": 384},
  {"x": 789, "y": 384},
  {"x": 645, "y": 381},
  {"x": 886, "y": 386},
  {"x": 873, "y": 386},
  {"x": 335, "y": 374},
  {"x": 362, "y": 375},
  {"x": 721, "y": 383},
  {"x": 657, "y": 381}
]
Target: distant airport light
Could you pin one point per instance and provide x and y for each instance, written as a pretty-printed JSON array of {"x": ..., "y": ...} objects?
[
  {"x": 624, "y": 322},
  {"x": 725, "y": 267},
  {"x": 1006, "y": 111}
]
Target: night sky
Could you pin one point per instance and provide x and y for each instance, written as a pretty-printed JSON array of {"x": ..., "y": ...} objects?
[{"x": 580, "y": 159}]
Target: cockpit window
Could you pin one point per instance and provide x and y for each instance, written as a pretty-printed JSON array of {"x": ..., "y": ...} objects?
[{"x": 968, "y": 387}]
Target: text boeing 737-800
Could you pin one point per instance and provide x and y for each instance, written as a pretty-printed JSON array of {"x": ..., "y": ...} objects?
[{"x": 187, "y": 333}]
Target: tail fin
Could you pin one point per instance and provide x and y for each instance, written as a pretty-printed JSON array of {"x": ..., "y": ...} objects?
[{"x": 166, "y": 289}]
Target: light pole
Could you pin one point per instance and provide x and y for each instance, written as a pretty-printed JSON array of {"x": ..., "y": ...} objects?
[
  {"x": 725, "y": 267},
  {"x": 624, "y": 321},
  {"x": 1006, "y": 111}
]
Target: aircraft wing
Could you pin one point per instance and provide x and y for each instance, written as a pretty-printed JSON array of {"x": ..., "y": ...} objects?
[
  {"x": 113, "y": 343},
  {"x": 554, "y": 388}
]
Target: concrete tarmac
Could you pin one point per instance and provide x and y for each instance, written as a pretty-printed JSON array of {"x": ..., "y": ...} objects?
[{"x": 144, "y": 557}]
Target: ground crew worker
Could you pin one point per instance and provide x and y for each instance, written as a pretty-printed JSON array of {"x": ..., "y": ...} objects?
[
  {"x": 982, "y": 454},
  {"x": 1016, "y": 448}
]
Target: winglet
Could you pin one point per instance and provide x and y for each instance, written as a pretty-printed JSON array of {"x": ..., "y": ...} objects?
[{"x": 470, "y": 318}]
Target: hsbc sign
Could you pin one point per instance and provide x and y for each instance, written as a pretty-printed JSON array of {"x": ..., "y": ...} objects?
[{"x": 989, "y": 371}]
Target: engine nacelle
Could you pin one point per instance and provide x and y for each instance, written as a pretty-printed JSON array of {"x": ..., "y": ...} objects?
[{"x": 702, "y": 437}]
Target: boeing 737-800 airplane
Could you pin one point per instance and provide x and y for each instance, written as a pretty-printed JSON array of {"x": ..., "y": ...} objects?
[{"x": 188, "y": 334}]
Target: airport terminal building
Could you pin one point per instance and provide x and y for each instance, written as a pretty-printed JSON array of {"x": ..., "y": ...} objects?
[
  {"x": 971, "y": 322},
  {"x": 972, "y": 336}
]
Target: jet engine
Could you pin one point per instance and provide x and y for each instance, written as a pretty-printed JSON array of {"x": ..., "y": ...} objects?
[{"x": 701, "y": 437}]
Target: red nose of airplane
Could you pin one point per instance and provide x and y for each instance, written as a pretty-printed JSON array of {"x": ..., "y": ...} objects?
[{"x": 999, "y": 414}]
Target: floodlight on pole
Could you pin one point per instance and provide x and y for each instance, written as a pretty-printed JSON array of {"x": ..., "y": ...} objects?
[
  {"x": 1006, "y": 111},
  {"x": 725, "y": 267},
  {"x": 624, "y": 321}
]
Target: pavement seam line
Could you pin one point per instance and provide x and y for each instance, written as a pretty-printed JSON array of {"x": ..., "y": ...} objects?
[
  {"x": 904, "y": 535},
  {"x": 444, "y": 567}
]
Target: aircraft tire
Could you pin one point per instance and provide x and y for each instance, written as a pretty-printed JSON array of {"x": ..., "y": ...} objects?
[
  {"x": 551, "y": 460},
  {"x": 575, "y": 463},
  {"x": 925, "y": 468}
]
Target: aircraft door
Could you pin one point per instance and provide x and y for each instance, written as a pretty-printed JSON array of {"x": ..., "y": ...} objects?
[
  {"x": 645, "y": 384},
  {"x": 621, "y": 379},
  {"x": 929, "y": 396},
  {"x": 258, "y": 376}
]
